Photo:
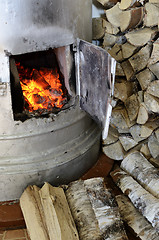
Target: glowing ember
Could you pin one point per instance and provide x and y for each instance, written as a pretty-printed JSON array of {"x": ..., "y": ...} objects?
[{"x": 42, "y": 88}]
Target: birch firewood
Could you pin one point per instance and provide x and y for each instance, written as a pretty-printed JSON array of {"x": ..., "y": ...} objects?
[
  {"x": 155, "y": 53},
  {"x": 113, "y": 15},
  {"x": 143, "y": 115},
  {"x": 143, "y": 171},
  {"x": 155, "y": 69},
  {"x": 151, "y": 102},
  {"x": 144, "y": 201},
  {"x": 153, "y": 88},
  {"x": 123, "y": 89},
  {"x": 128, "y": 50},
  {"x": 107, "y": 3},
  {"x": 82, "y": 211},
  {"x": 131, "y": 18},
  {"x": 125, "y": 4},
  {"x": 128, "y": 70},
  {"x": 97, "y": 28},
  {"x": 109, "y": 28},
  {"x": 135, "y": 220},
  {"x": 106, "y": 209},
  {"x": 119, "y": 71},
  {"x": 151, "y": 16},
  {"x": 132, "y": 106},
  {"x": 144, "y": 78}
]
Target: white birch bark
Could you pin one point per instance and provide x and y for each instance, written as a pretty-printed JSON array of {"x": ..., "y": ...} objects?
[
  {"x": 135, "y": 220},
  {"x": 143, "y": 171},
  {"x": 82, "y": 211},
  {"x": 105, "y": 209},
  {"x": 145, "y": 202}
]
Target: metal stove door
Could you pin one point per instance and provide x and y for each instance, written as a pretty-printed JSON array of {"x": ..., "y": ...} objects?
[{"x": 95, "y": 82}]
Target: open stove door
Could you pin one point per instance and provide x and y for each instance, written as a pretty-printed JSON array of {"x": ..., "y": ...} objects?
[{"x": 95, "y": 82}]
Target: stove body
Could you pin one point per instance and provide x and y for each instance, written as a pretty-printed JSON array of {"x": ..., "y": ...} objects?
[{"x": 61, "y": 147}]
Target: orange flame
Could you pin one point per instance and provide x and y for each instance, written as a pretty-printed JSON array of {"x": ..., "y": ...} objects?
[{"x": 42, "y": 88}]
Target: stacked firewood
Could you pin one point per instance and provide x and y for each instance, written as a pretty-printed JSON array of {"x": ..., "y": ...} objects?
[{"x": 129, "y": 32}]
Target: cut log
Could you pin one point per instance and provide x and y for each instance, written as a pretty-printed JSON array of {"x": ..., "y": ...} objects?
[
  {"x": 128, "y": 50},
  {"x": 97, "y": 28},
  {"x": 110, "y": 139},
  {"x": 140, "y": 37},
  {"x": 119, "y": 71},
  {"x": 144, "y": 201},
  {"x": 153, "y": 146},
  {"x": 141, "y": 57},
  {"x": 113, "y": 15},
  {"x": 143, "y": 171},
  {"x": 153, "y": 88},
  {"x": 151, "y": 102},
  {"x": 125, "y": 4},
  {"x": 33, "y": 218},
  {"x": 114, "y": 151},
  {"x": 59, "y": 221},
  {"x": 143, "y": 115},
  {"x": 151, "y": 16},
  {"x": 128, "y": 70},
  {"x": 140, "y": 96},
  {"x": 82, "y": 211},
  {"x": 131, "y": 18},
  {"x": 155, "y": 69},
  {"x": 120, "y": 120},
  {"x": 109, "y": 40},
  {"x": 109, "y": 28},
  {"x": 116, "y": 52},
  {"x": 108, "y": 3},
  {"x": 155, "y": 53},
  {"x": 123, "y": 89},
  {"x": 136, "y": 133},
  {"x": 127, "y": 142},
  {"x": 145, "y": 151},
  {"x": 148, "y": 128},
  {"x": 106, "y": 209},
  {"x": 144, "y": 78},
  {"x": 132, "y": 107},
  {"x": 135, "y": 220}
]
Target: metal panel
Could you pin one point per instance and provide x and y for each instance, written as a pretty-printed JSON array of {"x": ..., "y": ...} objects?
[
  {"x": 95, "y": 80},
  {"x": 34, "y": 25}
]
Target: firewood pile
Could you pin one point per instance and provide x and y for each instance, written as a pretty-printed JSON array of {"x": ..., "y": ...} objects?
[{"x": 129, "y": 32}]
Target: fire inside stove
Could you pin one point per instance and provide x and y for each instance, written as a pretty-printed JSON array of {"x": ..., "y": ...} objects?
[
  {"x": 37, "y": 85},
  {"x": 42, "y": 89}
]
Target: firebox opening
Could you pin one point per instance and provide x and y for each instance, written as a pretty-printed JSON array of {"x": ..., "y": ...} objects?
[{"x": 38, "y": 83}]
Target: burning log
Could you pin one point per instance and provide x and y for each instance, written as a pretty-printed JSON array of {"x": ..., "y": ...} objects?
[
  {"x": 135, "y": 220},
  {"x": 143, "y": 171},
  {"x": 145, "y": 202}
]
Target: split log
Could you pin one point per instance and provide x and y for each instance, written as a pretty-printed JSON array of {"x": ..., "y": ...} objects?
[
  {"x": 59, "y": 221},
  {"x": 155, "y": 53},
  {"x": 125, "y": 4},
  {"x": 128, "y": 50},
  {"x": 141, "y": 57},
  {"x": 140, "y": 37},
  {"x": 132, "y": 107},
  {"x": 106, "y": 209},
  {"x": 116, "y": 52},
  {"x": 144, "y": 201},
  {"x": 155, "y": 69},
  {"x": 31, "y": 207},
  {"x": 143, "y": 171},
  {"x": 131, "y": 18},
  {"x": 123, "y": 89},
  {"x": 145, "y": 151},
  {"x": 110, "y": 138},
  {"x": 127, "y": 142},
  {"x": 109, "y": 40},
  {"x": 108, "y": 3},
  {"x": 97, "y": 28},
  {"x": 148, "y": 128},
  {"x": 82, "y": 211},
  {"x": 153, "y": 88},
  {"x": 109, "y": 28},
  {"x": 114, "y": 151},
  {"x": 128, "y": 70},
  {"x": 135, "y": 131},
  {"x": 119, "y": 71},
  {"x": 153, "y": 145},
  {"x": 120, "y": 120},
  {"x": 140, "y": 96},
  {"x": 143, "y": 115},
  {"x": 113, "y": 15},
  {"x": 135, "y": 220},
  {"x": 151, "y": 102},
  {"x": 144, "y": 78},
  {"x": 151, "y": 16}
]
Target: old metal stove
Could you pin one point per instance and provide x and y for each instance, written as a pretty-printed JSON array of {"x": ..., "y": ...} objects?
[{"x": 47, "y": 146}]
